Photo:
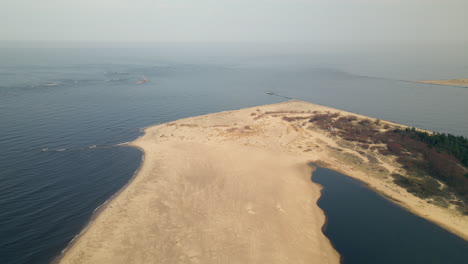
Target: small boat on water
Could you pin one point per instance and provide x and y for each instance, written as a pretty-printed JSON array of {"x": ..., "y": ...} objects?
[{"x": 270, "y": 93}]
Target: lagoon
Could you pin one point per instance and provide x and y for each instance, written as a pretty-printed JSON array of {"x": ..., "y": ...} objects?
[{"x": 366, "y": 228}]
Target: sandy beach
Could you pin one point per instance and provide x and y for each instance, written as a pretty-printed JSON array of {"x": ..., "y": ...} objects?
[
  {"x": 234, "y": 187},
  {"x": 454, "y": 82}
]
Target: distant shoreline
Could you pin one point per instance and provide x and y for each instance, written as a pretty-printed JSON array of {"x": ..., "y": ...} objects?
[
  {"x": 196, "y": 184},
  {"x": 451, "y": 82}
]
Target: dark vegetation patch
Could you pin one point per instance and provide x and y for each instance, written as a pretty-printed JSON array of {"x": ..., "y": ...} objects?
[
  {"x": 364, "y": 146},
  {"x": 423, "y": 187},
  {"x": 463, "y": 209},
  {"x": 440, "y": 156},
  {"x": 377, "y": 170},
  {"x": 345, "y": 144},
  {"x": 456, "y": 146},
  {"x": 361, "y": 152},
  {"x": 435, "y": 159},
  {"x": 461, "y": 206},
  {"x": 295, "y": 118},
  {"x": 439, "y": 202},
  {"x": 372, "y": 159},
  {"x": 258, "y": 116},
  {"x": 349, "y": 157}
]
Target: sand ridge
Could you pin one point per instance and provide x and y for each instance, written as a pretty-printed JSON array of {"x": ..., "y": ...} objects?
[
  {"x": 234, "y": 187},
  {"x": 451, "y": 82}
]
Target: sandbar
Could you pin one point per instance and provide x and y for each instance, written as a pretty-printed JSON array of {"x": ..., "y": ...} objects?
[
  {"x": 234, "y": 187},
  {"x": 452, "y": 82}
]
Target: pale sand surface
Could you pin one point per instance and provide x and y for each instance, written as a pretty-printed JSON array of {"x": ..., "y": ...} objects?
[
  {"x": 234, "y": 187},
  {"x": 461, "y": 82}
]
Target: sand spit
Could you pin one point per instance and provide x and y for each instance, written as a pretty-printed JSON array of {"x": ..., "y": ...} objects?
[
  {"x": 234, "y": 187},
  {"x": 453, "y": 82}
]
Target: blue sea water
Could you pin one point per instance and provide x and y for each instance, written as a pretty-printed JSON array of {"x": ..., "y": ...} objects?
[{"x": 65, "y": 108}]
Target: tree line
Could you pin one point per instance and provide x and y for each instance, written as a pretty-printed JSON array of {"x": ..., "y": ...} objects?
[{"x": 453, "y": 145}]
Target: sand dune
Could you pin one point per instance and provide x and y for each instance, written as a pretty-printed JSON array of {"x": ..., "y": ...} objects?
[{"x": 234, "y": 187}]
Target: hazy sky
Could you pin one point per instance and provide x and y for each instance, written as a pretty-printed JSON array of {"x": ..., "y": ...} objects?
[{"x": 311, "y": 21}]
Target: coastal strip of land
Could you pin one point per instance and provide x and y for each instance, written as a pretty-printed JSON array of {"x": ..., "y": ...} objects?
[
  {"x": 234, "y": 187},
  {"x": 451, "y": 82}
]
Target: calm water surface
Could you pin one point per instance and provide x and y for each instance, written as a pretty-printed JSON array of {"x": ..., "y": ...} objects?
[
  {"x": 63, "y": 110},
  {"x": 366, "y": 228}
]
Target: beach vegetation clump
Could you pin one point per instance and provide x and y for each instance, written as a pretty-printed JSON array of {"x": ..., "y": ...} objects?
[
  {"x": 295, "y": 118},
  {"x": 423, "y": 187},
  {"x": 425, "y": 152},
  {"x": 423, "y": 155},
  {"x": 420, "y": 158},
  {"x": 439, "y": 202}
]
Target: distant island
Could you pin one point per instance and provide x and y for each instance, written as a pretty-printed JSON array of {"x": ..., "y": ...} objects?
[
  {"x": 235, "y": 186},
  {"x": 454, "y": 82}
]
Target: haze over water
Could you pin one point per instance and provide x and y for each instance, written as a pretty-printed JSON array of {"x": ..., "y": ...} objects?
[{"x": 64, "y": 107}]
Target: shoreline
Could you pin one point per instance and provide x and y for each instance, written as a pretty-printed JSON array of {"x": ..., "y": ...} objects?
[
  {"x": 401, "y": 204},
  {"x": 104, "y": 205},
  {"x": 324, "y": 226},
  {"x": 231, "y": 136},
  {"x": 101, "y": 207},
  {"x": 463, "y": 83}
]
